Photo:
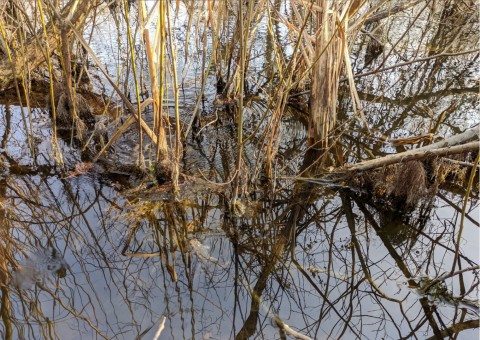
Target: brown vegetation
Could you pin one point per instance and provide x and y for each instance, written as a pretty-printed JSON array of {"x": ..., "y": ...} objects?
[{"x": 322, "y": 33}]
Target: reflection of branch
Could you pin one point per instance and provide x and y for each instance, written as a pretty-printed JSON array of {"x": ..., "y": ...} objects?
[
  {"x": 347, "y": 204},
  {"x": 457, "y": 328},
  {"x": 454, "y": 206},
  {"x": 428, "y": 310},
  {"x": 71, "y": 310},
  {"x": 251, "y": 322},
  {"x": 464, "y": 210},
  {"x": 416, "y": 98},
  {"x": 447, "y": 276},
  {"x": 412, "y": 62},
  {"x": 293, "y": 226},
  {"x": 5, "y": 311},
  {"x": 435, "y": 241},
  {"x": 309, "y": 279},
  {"x": 388, "y": 245},
  {"x": 400, "y": 7}
]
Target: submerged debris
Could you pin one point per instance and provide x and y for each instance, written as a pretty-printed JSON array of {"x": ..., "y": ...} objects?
[
  {"x": 38, "y": 267},
  {"x": 286, "y": 329},
  {"x": 203, "y": 252},
  {"x": 436, "y": 292}
]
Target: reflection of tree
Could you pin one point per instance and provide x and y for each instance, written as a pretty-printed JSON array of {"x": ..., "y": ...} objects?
[
  {"x": 415, "y": 281},
  {"x": 435, "y": 90},
  {"x": 4, "y": 254},
  {"x": 319, "y": 263},
  {"x": 40, "y": 213},
  {"x": 373, "y": 272}
]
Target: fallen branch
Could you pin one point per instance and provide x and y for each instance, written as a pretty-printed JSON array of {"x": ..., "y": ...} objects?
[
  {"x": 449, "y": 146},
  {"x": 411, "y": 155}
]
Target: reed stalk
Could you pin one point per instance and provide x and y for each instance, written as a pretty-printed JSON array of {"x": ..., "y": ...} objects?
[
  {"x": 241, "y": 68},
  {"x": 57, "y": 154},
  {"x": 160, "y": 68},
  {"x": 280, "y": 96},
  {"x": 122, "y": 95},
  {"x": 178, "y": 139},
  {"x": 67, "y": 72},
  {"x": 24, "y": 79},
  {"x": 206, "y": 67},
  {"x": 160, "y": 49},
  {"x": 131, "y": 45},
  {"x": 326, "y": 75}
]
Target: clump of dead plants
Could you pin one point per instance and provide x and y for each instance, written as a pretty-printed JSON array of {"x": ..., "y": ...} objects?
[
  {"x": 65, "y": 112},
  {"x": 76, "y": 115},
  {"x": 404, "y": 186},
  {"x": 163, "y": 170},
  {"x": 3, "y": 165}
]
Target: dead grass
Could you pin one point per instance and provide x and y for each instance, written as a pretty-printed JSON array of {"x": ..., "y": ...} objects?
[
  {"x": 79, "y": 119},
  {"x": 407, "y": 185},
  {"x": 81, "y": 130}
]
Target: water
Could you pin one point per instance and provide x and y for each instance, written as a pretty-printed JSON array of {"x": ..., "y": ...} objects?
[
  {"x": 131, "y": 263},
  {"x": 92, "y": 252}
]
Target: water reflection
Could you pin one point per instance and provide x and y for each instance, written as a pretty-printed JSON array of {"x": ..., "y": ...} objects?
[{"x": 326, "y": 265}]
